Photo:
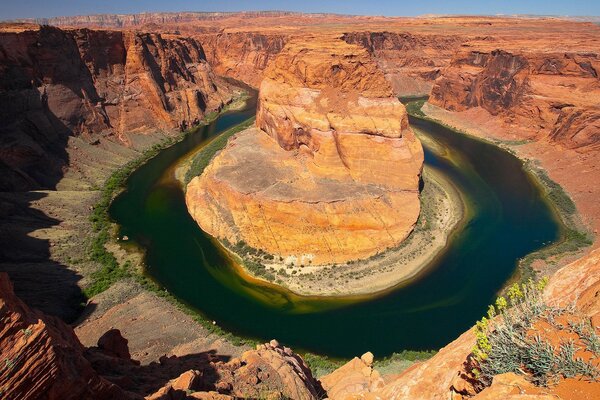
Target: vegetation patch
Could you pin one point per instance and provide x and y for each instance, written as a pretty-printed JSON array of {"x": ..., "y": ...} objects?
[
  {"x": 524, "y": 335},
  {"x": 203, "y": 158},
  {"x": 413, "y": 108},
  {"x": 110, "y": 271},
  {"x": 322, "y": 365}
]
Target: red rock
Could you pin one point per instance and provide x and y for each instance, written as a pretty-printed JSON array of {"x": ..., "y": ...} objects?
[
  {"x": 42, "y": 357},
  {"x": 90, "y": 84}
]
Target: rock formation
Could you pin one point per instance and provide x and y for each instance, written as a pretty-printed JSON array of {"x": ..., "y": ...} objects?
[
  {"x": 93, "y": 84},
  {"x": 43, "y": 359},
  {"x": 242, "y": 55},
  {"x": 411, "y": 62},
  {"x": 550, "y": 94},
  {"x": 332, "y": 173}
]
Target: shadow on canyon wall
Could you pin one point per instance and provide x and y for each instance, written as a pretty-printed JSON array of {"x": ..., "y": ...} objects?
[{"x": 33, "y": 156}]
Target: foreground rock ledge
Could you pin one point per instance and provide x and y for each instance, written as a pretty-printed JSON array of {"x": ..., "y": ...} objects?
[{"x": 332, "y": 172}]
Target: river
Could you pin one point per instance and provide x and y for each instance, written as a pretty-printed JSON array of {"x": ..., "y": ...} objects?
[{"x": 508, "y": 218}]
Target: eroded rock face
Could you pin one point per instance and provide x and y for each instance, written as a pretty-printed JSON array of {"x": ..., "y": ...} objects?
[
  {"x": 42, "y": 358},
  {"x": 333, "y": 172},
  {"x": 554, "y": 95},
  {"x": 93, "y": 84},
  {"x": 411, "y": 62},
  {"x": 242, "y": 55}
]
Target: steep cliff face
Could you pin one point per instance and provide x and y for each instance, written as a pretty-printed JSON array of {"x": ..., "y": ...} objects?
[
  {"x": 411, "y": 62},
  {"x": 242, "y": 55},
  {"x": 93, "y": 84},
  {"x": 314, "y": 184},
  {"x": 552, "y": 95}
]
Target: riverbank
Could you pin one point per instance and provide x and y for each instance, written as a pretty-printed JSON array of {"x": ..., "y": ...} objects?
[
  {"x": 87, "y": 277},
  {"x": 551, "y": 167},
  {"x": 442, "y": 209}
]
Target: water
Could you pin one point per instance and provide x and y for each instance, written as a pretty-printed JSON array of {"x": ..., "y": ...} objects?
[{"x": 507, "y": 219}]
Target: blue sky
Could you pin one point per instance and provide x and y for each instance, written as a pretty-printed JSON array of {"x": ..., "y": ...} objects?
[{"x": 48, "y": 8}]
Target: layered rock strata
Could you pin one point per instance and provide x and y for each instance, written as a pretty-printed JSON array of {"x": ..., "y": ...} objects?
[
  {"x": 330, "y": 174},
  {"x": 550, "y": 94},
  {"x": 92, "y": 84},
  {"x": 242, "y": 55},
  {"x": 411, "y": 62},
  {"x": 42, "y": 358}
]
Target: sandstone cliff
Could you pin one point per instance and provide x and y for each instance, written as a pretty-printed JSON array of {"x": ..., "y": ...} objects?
[
  {"x": 411, "y": 62},
  {"x": 550, "y": 94},
  {"x": 55, "y": 84},
  {"x": 332, "y": 175},
  {"x": 242, "y": 55}
]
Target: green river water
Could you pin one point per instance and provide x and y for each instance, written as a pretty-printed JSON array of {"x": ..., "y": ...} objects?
[{"x": 508, "y": 218}]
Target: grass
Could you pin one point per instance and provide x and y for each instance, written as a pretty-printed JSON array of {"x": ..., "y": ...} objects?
[
  {"x": 573, "y": 237},
  {"x": 203, "y": 158},
  {"x": 110, "y": 271},
  {"x": 414, "y": 108},
  {"x": 322, "y": 365}
]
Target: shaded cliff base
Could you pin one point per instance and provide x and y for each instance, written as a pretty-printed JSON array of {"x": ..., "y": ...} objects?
[{"x": 576, "y": 172}]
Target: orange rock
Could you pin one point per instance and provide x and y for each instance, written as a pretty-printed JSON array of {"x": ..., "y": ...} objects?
[
  {"x": 336, "y": 178},
  {"x": 42, "y": 358},
  {"x": 578, "y": 282},
  {"x": 510, "y": 386},
  {"x": 355, "y": 378},
  {"x": 553, "y": 92},
  {"x": 273, "y": 372}
]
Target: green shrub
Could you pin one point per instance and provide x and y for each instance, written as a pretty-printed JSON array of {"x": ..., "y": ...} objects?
[{"x": 504, "y": 342}]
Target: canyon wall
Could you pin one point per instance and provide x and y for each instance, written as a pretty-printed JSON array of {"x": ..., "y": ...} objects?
[
  {"x": 333, "y": 173},
  {"x": 43, "y": 359},
  {"x": 549, "y": 94},
  {"x": 93, "y": 84},
  {"x": 411, "y": 62},
  {"x": 242, "y": 55}
]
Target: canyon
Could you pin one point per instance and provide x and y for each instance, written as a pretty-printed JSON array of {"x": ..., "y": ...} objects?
[{"x": 80, "y": 100}]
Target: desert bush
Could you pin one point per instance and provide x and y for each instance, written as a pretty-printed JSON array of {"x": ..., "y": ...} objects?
[{"x": 505, "y": 343}]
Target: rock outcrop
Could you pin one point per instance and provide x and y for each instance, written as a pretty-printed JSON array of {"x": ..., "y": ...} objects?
[
  {"x": 42, "y": 358},
  {"x": 333, "y": 173},
  {"x": 242, "y": 55},
  {"x": 56, "y": 83},
  {"x": 551, "y": 94},
  {"x": 355, "y": 379}
]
